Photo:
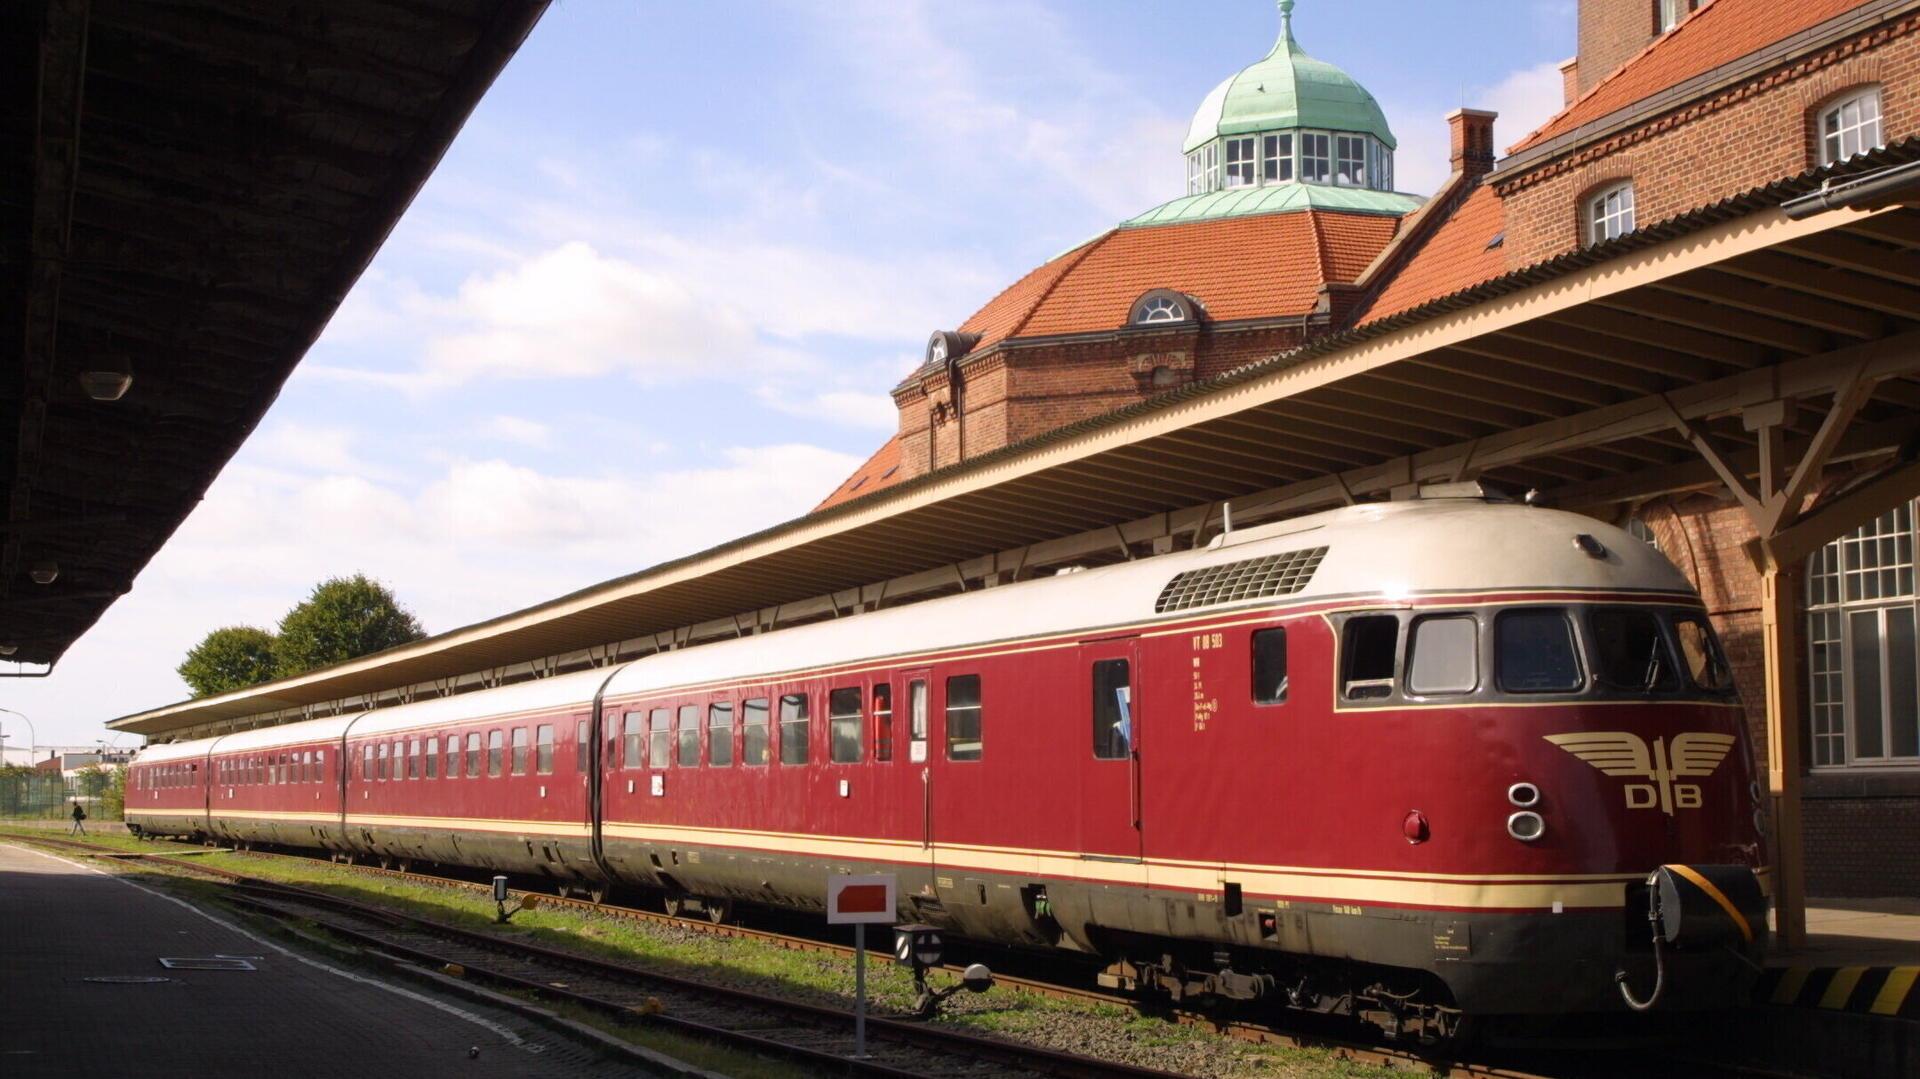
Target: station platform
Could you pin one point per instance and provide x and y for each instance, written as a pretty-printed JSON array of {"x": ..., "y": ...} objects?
[
  {"x": 85, "y": 994},
  {"x": 1861, "y": 956}
]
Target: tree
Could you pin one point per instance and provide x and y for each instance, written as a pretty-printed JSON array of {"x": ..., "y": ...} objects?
[
  {"x": 344, "y": 618},
  {"x": 233, "y": 657}
]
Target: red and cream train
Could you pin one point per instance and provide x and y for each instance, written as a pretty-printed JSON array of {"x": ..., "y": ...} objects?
[{"x": 1406, "y": 760}]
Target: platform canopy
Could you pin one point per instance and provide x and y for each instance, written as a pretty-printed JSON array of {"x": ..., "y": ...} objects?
[
  {"x": 188, "y": 189},
  {"x": 1735, "y": 344}
]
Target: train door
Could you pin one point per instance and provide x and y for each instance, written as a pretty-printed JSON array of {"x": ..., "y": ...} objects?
[
  {"x": 1108, "y": 745},
  {"x": 917, "y": 703}
]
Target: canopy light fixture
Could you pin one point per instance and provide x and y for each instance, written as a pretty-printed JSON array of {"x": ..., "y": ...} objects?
[
  {"x": 44, "y": 572},
  {"x": 107, "y": 379}
]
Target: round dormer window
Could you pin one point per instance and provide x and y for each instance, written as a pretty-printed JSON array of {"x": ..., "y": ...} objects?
[
  {"x": 1162, "y": 307},
  {"x": 946, "y": 345}
]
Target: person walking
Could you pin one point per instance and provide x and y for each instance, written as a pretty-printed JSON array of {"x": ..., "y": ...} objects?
[{"x": 79, "y": 820}]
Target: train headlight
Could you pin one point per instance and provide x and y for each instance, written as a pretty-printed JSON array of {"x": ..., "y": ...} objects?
[
  {"x": 1524, "y": 795},
  {"x": 1526, "y": 826}
]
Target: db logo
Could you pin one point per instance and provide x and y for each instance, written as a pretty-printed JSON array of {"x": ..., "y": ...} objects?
[{"x": 1618, "y": 753}]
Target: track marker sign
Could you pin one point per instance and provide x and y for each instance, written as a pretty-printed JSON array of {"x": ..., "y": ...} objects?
[{"x": 861, "y": 902}]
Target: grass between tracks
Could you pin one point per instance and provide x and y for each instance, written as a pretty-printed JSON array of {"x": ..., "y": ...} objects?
[{"x": 818, "y": 977}]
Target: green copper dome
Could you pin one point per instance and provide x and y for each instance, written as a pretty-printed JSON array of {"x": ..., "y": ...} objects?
[{"x": 1288, "y": 89}]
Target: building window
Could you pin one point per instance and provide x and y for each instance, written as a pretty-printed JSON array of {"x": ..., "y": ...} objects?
[
  {"x": 1316, "y": 157},
  {"x": 1276, "y": 158},
  {"x": 1850, "y": 126},
  {"x": 1196, "y": 170},
  {"x": 1351, "y": 160},
  {"x": 1639, "y": 529},
  {"x": 1161, "y": 306},
  {"x": 1240, "y": 162},
  {"x": 1610, "y": 214},
  {"x": 1863, "y": 664},
  {"x": 1379, "y": 165},
  {"x": 1668, "y": 13}
]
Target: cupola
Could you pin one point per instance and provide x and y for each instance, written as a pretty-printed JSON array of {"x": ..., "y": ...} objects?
[{"x": 1289, "y": 119}]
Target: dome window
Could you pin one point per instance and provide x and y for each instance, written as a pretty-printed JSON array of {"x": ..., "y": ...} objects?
[{"x": 1162, "y": 307}]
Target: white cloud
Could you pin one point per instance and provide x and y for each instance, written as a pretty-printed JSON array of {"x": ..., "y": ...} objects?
[
  {"x": 1525, "y": 99},
  {"x": 518, "y": 429},
  {"x": 846, "y": 408}
]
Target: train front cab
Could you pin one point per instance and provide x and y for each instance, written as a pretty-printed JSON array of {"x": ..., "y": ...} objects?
[{"x": 1559, "y": 752}]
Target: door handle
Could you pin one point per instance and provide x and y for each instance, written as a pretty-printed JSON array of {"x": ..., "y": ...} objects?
[{"x": 1133, "y": 786}]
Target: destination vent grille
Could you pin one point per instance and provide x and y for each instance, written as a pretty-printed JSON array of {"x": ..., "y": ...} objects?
[{"x": 1254, "y": 578}]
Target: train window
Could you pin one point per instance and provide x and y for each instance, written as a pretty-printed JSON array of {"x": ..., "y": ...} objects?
[
  {"x": 413, "y": 759},
  {"x": 430, "y": 767},
  {"x": 473, "y": 755},
  {"x": 319, "y": 766},
  {"x": 1112, "y": 709},
  {"x": 1629, "y": 651},
  {"x": 366, "y": 764},
  {"x": 399, "y": 760},
  {"x": 1706, "y": 666},
  {"x": 963, "y": 717},
  {"x": 883, "y": 722},
  {"x": 581, "y": 743},
  {"x": 543, "y": 749},
  {"x": 1535, "y": 651},
  {"x": 496, "y": 753},
  {"x": 793, "y": 728},
  {"x": 380, "y": 760},
  {"x": 519, "y": 751},
  {"x": 453, "y": 756},
  {"x": 659, "y": 738},
  {"x": 689, "y": 736},
  {"x": 1443, "y": 655},
  {"x": 917, "y": 720},
  {"x": 843, "y": 725},
  {"x": 633, "y": 736},
  {"x": 1270, "y": 666},
  {"x": 753, "y": 731},
  {"x": 1369, "y": 645},
  {"x": 719, "y": 734}
]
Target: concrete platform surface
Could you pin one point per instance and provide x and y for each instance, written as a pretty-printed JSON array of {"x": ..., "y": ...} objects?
[
  {"x": 1858, "y": 932},
  {"x": 63, "y": 926}
]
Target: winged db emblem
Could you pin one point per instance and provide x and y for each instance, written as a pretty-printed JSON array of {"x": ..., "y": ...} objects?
[{"x": 1694, "y": 755}]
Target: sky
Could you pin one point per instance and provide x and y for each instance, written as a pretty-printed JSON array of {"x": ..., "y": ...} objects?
[{"x": 655, "y": 295}]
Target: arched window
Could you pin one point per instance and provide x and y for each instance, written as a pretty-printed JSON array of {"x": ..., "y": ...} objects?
[
  {"x": 1161, "y": 306},
  {"x": 1609, "y": 213},
  {"x": 1850, "y": 125}
]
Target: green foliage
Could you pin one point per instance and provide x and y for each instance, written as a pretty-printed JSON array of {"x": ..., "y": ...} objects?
[
  {"x": 344, "y": 618},
  {"x": 107, "y": 787},
  {"x": 230, "y": 658}
]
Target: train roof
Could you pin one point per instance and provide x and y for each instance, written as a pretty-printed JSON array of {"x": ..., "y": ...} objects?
[{"x": 1395, "y": 549}]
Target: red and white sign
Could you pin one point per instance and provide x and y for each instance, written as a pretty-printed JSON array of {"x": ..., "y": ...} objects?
[{"x": 861, "y": 900}]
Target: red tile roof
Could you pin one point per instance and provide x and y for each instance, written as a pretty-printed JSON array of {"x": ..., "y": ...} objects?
[
  {"x": 1454, "y": 256},
  {"x": 1719, "y": 33},
  {"x": 881, "y": 471},
  {"x": 1239, "y": 268}
]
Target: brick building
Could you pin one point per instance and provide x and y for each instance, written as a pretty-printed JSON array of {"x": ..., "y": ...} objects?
[{"x": 1290, "y": 232}]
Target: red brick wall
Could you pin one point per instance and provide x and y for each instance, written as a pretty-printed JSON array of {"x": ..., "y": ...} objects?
[
  {"x": 1706, "y": 151},
  {"x": 1611, "y": 33},
  {"x": 1862, "y": 846}
]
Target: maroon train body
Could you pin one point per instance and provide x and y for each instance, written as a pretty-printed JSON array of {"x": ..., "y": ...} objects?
[{"x": 1406, "y": 761}]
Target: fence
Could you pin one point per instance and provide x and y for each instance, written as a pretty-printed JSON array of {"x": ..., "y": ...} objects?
[{"x": 45, "y": 795}]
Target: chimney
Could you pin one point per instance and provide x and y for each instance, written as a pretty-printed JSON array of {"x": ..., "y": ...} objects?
[
  {"x": 1570, "y": 80},
  {"x": 1472, "y": 141}
]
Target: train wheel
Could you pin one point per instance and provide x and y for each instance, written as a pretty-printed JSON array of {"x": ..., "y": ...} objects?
[
  {"x": 719, "y": 911},
  {"x": 598, "y": 895},
  {"x": 676, "y": 906},
  {"x": 405, "y": 866}
]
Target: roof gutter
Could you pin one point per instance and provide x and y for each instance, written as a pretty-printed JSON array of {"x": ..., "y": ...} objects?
[{"x": 1896, "y": 183}]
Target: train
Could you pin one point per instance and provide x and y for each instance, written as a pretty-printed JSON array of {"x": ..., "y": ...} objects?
[{"x": 1414, "y": 762}]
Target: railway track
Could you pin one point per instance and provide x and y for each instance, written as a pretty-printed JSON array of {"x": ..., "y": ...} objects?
[{"x": 499, "y": 965}]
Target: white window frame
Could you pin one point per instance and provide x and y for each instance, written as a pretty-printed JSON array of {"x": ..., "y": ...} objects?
[
  {"x": 1211, "y": 157},
  {"x": 1608, "y": 214},
  {"x": 1867, "y": 573},
  {"x": 1851, "y": 126},
  {"x": 1242, "y": 161},
  {"x": 1323, "y": 159},
  {"x": 1342, "y": 175},
  {"x": 1276, "y": 157},
  {"x": 1195, "y": 169},
  {"x": 1670, "y": 12}
]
